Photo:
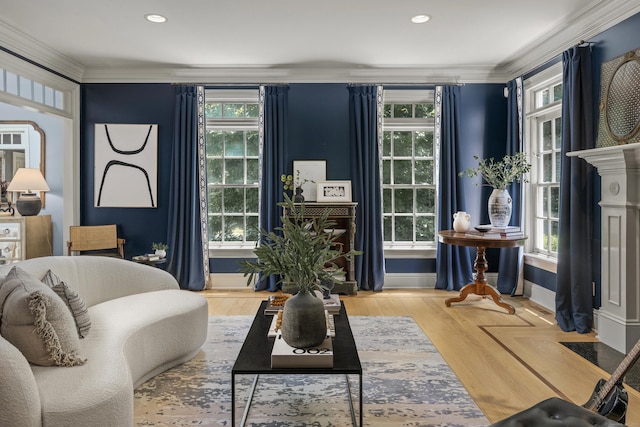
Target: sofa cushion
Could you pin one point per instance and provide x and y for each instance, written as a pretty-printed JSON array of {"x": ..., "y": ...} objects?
[
  {"x": 36, "y": 321},
  {"x": 73, "y": 301}
]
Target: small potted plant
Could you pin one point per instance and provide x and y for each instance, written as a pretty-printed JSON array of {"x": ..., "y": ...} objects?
[
  {"x": 160, "y": 249},
  {"x": 512, "y": 168}
]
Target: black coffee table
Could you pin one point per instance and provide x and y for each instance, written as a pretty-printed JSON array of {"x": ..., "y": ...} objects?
[{"x": 255, "y": 359}]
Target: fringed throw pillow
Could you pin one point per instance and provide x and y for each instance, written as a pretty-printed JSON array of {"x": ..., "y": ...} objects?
[
  {"x": 73, "y": 301},
  {"x": 37, "y": 322}
]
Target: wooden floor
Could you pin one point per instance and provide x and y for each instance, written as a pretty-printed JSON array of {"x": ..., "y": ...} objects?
[{"x": 506, "y": 362}]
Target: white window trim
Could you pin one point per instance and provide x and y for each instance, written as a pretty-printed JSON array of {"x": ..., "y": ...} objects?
[
  {"x": 405, "y": 250},
  {"x": 542, "y": 79},
  {"x": 245, "y": 95}
]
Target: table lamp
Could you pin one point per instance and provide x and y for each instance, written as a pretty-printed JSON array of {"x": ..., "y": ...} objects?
[{"x": 28, "y": 181}]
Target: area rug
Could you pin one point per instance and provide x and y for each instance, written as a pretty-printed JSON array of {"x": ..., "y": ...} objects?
[{"x": 406, "y": 383}]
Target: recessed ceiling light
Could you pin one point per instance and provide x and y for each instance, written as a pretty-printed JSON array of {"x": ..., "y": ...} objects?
[
  {"x": 154, "y": 17},
  {"x": 420, "y": 19}
]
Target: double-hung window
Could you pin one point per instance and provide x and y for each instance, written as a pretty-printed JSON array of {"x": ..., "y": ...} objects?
[
  {"x": 544, "y": 142},
  {"x": 409, "y": 154},
  {"x": 232, "y": 152}
]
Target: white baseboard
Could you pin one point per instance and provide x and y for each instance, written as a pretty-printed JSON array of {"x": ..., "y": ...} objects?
[
  {"x": 391, "y": 280},
  {"x": 539, "y": 295}
]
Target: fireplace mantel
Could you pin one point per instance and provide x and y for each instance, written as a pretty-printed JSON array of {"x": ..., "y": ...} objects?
[{"x": 618, "y": 319}]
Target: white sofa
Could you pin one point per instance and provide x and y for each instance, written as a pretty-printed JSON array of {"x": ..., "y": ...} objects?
[{"x": 141, "y": 324}]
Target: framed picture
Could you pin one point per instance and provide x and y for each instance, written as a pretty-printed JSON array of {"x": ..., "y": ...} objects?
[
  {"x": 311, "y": 171},
  {"x": 334, "y": 191},
  {"x": 126, "y": 165}
]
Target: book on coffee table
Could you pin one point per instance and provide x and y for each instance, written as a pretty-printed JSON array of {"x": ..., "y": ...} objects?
[
  {"x": 285, "y": 356},
  {"x": 331, "y": 326}
]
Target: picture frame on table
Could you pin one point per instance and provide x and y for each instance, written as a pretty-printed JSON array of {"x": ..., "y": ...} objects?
[
  {"x": 311, "y": 172},
  {"x": 333, "y": 191}
]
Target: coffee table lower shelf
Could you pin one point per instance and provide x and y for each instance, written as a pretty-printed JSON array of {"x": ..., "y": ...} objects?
[{"x": 255, "y": 359}]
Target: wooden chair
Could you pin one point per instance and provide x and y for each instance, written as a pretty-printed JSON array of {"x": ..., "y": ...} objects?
[{"x": 95, "y": 240}]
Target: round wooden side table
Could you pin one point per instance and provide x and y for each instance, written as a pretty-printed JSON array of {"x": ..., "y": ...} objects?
[{"x": 480, "y": 265}]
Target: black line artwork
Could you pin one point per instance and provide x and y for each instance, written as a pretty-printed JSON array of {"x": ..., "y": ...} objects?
[{"x": 136, "y": 164}]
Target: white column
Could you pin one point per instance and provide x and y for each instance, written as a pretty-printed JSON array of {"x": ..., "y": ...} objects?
[{"x": 619, "y": 315}]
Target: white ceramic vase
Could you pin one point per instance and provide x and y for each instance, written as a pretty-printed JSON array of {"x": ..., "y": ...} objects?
[
  {"x": 500, "y": 205},
  {"x": 161, "y": 253},
  {"x": 461, "y": 221}
]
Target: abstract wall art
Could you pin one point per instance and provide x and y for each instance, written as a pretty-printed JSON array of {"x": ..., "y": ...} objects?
[{"x": 126, "y": 165}]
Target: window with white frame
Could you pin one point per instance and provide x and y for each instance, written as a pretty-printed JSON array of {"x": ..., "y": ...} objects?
[
  {"x": 408, "y": 169},
  {"x": 232, "y": 151},
  {"x": 544, "y": 142}
]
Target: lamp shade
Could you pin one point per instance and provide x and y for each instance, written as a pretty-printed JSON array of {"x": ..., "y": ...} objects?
[{"x": 28, "y": 181}]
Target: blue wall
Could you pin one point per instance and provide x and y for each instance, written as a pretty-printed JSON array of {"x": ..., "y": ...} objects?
[
  {"x": 318, "y": 128},
  {"x": 131, "y": 104}
]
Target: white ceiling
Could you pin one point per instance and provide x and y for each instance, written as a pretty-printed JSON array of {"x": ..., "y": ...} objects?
[{"x": 288, "y": 40}]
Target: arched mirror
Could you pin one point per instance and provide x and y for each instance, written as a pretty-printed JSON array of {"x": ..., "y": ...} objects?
[{"x": 22, "y": 144}]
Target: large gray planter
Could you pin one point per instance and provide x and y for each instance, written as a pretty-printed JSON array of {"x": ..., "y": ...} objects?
[{"x": 304, "y": 323}]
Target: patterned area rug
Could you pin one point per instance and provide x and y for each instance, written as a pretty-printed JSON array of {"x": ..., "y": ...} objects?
[{"x": 406, "y": 383}]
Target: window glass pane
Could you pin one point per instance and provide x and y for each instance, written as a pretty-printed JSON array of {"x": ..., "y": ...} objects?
[
  {"x": 213, "y": 110},
  {"x": 253, "y": 143},
  {"x": 404, "y": 200},
  {"x": 425, "y": 228},
  {"x": 545, "y": 97},
  {"x": 558, "y": 167},
  {"x": 252, "y": 201},
  {"x": 215, "y": 228},
  {"x": 546, "y": 167},
  {"x": 554, "y": 236},
  {"x": 386, "y": 144},
  {"x": 234, "y": 143},
  {"x": 557, "y": 92},
  {"x": 252, "y": 233},
  {"x": 544, "y": 202},
  {"x": 232, "y": 111},
  {"x": 387, "y": 227},
  {"x": 402, "y": 110},
  {"x": 554, "y": 201},
  {"x": 404, "y": 229},
  {"x": 215, "y": 200},
  {"x": 402, "y": 172},
  {"x": 252, "y": 110},
  {"x": 214, "y": 143},
  {"x": 402, "y": 144},
  {"x": 214, "y": 171},
  {"x": 234, "y": 171},
  {"x": 234, "y": 200},
  {"x": 558, "y": 125},
  {"x": 424, "y": 172},
  {"x": 546, "y": 135},
  {"x": 425, "y": 200},
  {"x": 386, "y": 171},
  {"x": 252, "y": 171},
  {"x": 424, "y": 144},
  {"x": 233, "y": 228},
  {"x": 424, "y": 111},
  {"x": 386, "y": 200},
  {"x": 386, "y": 110}
]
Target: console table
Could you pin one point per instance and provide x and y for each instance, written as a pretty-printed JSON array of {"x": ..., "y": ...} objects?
[
  {"x": 344, "y": 216},
  {"x": 480, "y": 265}
]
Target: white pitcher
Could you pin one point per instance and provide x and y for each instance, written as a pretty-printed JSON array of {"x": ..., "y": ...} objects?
[{"x": 461, "y": 221}]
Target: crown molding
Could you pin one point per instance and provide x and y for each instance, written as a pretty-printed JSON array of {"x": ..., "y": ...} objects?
[
  {"x": 598, "y": 17},
  {"x": 19, "y": 43},
  {"x": 267, "y": 74}
]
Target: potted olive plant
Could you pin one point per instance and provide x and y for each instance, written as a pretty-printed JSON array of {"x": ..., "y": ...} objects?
[
  {"x": 512, "y": 168},
  {"x": 303, "y": 253}
]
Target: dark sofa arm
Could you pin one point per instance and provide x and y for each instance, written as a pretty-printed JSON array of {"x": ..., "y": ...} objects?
[{"x": 555, "y": 412}]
